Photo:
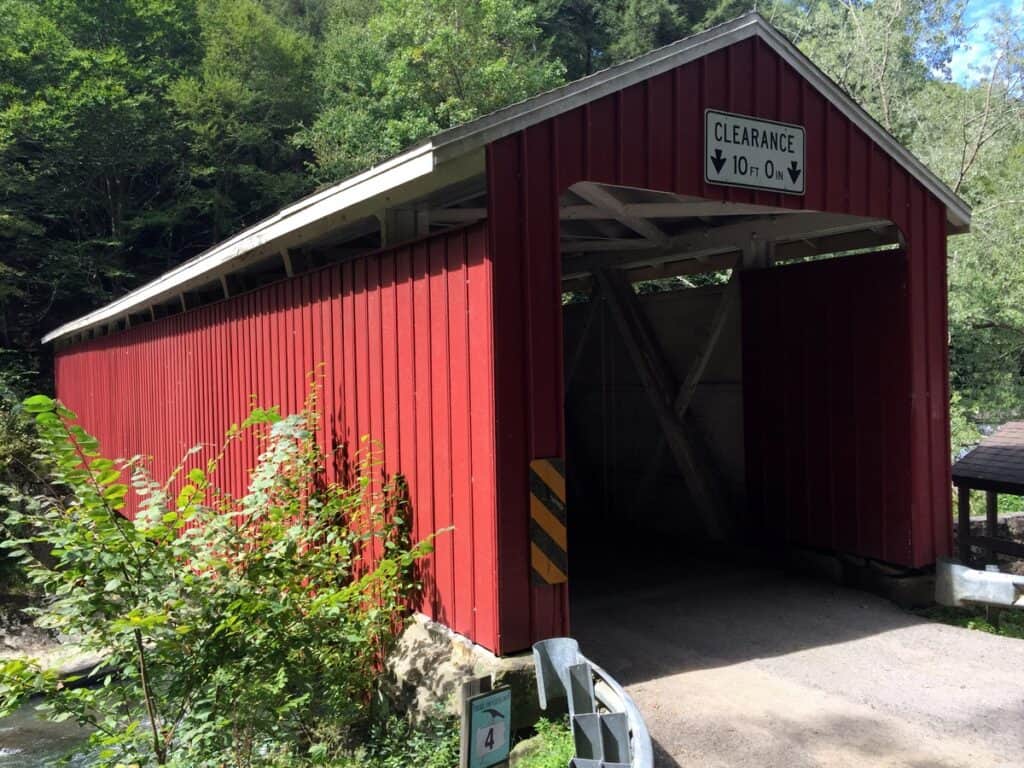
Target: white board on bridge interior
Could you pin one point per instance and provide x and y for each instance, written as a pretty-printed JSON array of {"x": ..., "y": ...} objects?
[{"x": 741, "y": 151}]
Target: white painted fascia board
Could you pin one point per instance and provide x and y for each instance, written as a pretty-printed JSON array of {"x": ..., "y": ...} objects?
[{"x": 389, "y": 175}]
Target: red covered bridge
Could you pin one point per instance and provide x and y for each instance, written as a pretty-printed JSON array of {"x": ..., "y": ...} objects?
[{"x": 705, "y": 279}]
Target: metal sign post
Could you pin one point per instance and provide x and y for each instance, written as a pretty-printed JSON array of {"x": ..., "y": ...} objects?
[{"x": 486, "y": 725}]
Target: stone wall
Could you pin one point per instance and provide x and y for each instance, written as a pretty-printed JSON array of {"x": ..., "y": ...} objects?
[{"x": 430, "y": 664}]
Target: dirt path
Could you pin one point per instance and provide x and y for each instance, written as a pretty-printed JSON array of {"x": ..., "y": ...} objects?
[{"x": 750, "y": 668}]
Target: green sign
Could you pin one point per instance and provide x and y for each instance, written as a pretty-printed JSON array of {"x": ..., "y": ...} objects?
[{"x": 490, "y": 716}]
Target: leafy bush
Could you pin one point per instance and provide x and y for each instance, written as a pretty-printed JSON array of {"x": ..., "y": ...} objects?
[
  {"x": 238, "y": 632},
  {"x": 18, "y": 468},
  {"x": 394, "y": 743},
  {"x": 1008, "y": 623},
  {"x": 552, "y": 747}
]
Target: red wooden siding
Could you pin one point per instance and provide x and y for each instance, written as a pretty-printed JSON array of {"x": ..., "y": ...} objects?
[
  {"x": 826, "y": 391},
  {"x": 651, "y": 135},
  {"x": 404, "y": 343}
]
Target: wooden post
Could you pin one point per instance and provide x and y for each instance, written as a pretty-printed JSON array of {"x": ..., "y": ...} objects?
[
  {"x": 963, "y": 535},
  {"x": 991, "y": 522}
]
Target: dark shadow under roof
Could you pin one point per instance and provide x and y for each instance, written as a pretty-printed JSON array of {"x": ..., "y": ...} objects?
[{"x": 997, "y": 464}]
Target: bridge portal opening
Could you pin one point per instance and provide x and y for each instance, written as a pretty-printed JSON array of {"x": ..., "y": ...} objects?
[{"x": 716, "y": 356}]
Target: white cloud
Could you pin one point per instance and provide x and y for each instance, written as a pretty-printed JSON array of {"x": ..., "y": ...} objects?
[{"x": 971, "y": 60}]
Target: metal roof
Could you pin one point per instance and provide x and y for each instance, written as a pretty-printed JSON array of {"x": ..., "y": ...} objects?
[{"x": 423, "y": 160}]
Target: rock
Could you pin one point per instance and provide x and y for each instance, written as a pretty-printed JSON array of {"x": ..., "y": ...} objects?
[
  {"x": 430, "y": 664},
  {"x": 525, "y": 749}
]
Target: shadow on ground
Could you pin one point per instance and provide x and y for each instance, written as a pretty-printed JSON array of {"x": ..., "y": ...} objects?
[
  {"x": 709, "y": 613},
  {"x": 746, "y": 665}
]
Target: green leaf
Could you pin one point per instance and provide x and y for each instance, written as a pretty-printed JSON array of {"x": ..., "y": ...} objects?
[
  {"x": 39, "y": 404},
  {"x": 115, "y": 493},
  {"x": 107, "y": 476}
]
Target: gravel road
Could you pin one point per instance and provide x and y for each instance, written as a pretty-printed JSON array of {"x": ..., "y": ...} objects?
[{"x": 749, "y": 667}]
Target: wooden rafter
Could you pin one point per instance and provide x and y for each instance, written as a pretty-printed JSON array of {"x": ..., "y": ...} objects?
[
  {"x": 603, "y": 198},
  {"x": 679, "y": 210}
]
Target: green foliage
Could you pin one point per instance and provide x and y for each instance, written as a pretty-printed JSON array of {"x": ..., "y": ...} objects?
[
  {"x": 880, "y": 52},
  {"x": 20, "y": 469},
  {"x": 552, "y": 747},
  {"x": 1008, "y": 623},
  {"x": 414, "y": 67},
  {"x": 238, "y": 632},
  {"x": 251, "y": 93},
  {"x": 394, "y": 743}
]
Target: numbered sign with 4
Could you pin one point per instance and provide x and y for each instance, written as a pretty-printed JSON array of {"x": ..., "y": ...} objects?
[{"x": 489, "y": 728}]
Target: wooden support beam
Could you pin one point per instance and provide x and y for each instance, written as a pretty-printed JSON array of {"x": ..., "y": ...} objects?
[
  {"x": 683, "y": 267},
  {"x": 1001, "y": 545},
  {"x": 733, "y": 236},
  {"x": 286, "y": 259},
  {"x": 697, "y": 208},
  {"x": 184, "y": 304},
  {"x": 456, "y": 215},
  {"x": 402, "y": 224},
  {"x": 604, "y": 199},
  {"x": 224, "y": 286},
  {"x": 848, "y": 241},
  {"x": 991, "y": 521},
  {"x": 657, "y": 382},
  {"x": 726, "y": 302},
  {"x": 963, "y": 533}
]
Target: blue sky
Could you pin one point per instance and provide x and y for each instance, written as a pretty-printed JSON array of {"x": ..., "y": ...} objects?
[{"x": 977, "y": 51}]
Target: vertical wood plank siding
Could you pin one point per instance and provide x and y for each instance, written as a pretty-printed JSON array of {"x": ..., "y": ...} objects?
[
  {"x": 403, "y": 340},
  {"x": 651, "y": 135},
  {"x": 825, "y": 376}
]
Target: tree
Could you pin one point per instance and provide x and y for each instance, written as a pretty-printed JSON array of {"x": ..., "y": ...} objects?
[
  {"x": 252, "y": 92},
  {"x": 578, "y": 34},
  {"x": 87, "y": 156},
  {"x": 415, "y": 67},
  {"x": 880, "y": 52},
  {"x": 642, "y": 25}
]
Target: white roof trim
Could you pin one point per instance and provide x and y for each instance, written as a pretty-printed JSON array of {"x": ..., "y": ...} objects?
[
  {"x": 422, "y": 159},
  {"x": 410, "y": 165}
]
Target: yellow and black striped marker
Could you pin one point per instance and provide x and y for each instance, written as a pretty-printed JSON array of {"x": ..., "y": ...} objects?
[{"x": 548, "y": 557}]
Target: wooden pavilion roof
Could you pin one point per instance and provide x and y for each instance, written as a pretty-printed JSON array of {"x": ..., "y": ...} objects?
[{"x": 996, "y": 464}]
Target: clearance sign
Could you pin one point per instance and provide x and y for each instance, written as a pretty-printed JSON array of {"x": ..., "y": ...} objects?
[{"x": 742, "y": 151}]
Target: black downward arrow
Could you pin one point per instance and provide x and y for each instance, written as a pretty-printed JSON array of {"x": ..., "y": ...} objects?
[
  {"x": 794, "y": 171},
  {"x": 718, "y": 160}
]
